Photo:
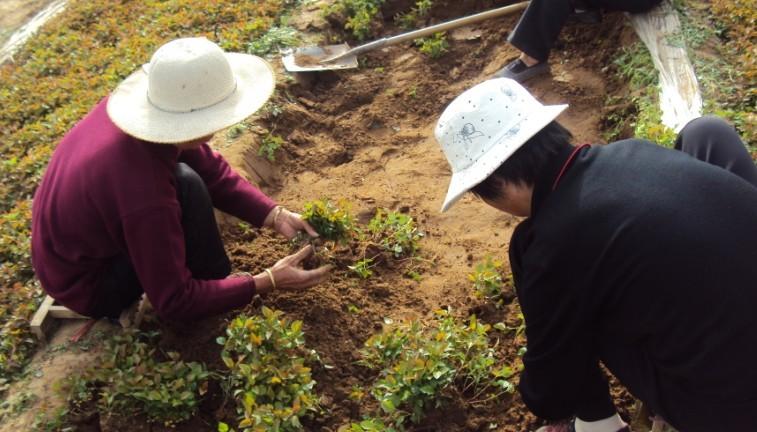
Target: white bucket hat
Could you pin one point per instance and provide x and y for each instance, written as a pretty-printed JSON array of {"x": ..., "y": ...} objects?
[
  {"x": 190, "y": 89},
  {"x": 483, "y": 127}
]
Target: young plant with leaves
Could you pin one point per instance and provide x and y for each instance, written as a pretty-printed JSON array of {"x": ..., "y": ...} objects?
[
  {"x": 269, "y": 377},
  {"x": 359, "y": 15},
  {"x": 332, "y": 221},
  {"x": 269, "y": 145},
  {"x": 488, "y": 280},
  {"x": 419, "y": 367},
  {"x": 130, "y": 379},
  {"x": 395, "y": 232},
  {"x": 434, "y": 46}
]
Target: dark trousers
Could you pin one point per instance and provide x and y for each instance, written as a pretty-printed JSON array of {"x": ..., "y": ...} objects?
[
  {"x": 542, "y": 21},
  {"x": 205, "y": 255},
  {"x": 711, "y": 140}
]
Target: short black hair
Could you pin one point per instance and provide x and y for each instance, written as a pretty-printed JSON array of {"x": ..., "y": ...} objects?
[{"x": 527, "y": 162}]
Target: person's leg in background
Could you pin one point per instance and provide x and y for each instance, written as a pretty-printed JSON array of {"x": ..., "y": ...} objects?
[
  {"x": 541, "y": 23},
  {"x": 206, "y": 257},
  {"x": 534, "y": 35},
  {"x": 712, "y": 140}
]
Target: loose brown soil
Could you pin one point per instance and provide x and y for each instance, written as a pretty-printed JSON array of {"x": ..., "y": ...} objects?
[{"x": 367, "y": 136}]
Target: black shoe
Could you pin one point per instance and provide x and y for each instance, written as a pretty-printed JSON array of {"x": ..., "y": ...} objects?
[{"x": 518, "y": 71}]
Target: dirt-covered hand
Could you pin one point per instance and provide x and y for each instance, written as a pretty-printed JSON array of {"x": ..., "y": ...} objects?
[
  {"x": 287, "y": 273},
  {"x": 289, "y": 224}
]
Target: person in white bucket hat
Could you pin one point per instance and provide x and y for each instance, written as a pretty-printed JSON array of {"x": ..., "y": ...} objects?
[
  {"x": 631, "y": 255},
  {"x": 126, "y": 203}
]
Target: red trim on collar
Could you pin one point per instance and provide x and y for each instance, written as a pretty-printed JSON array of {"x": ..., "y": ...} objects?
[{"x": 567, "y": 164}]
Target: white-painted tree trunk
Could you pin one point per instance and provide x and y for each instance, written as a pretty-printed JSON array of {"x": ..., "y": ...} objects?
[{"x": 680, "y": 98}]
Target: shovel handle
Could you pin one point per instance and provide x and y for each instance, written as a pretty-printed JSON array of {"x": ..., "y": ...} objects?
[{"x": 460, "y": 22}]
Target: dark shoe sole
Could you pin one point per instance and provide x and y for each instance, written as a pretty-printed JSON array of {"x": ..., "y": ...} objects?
[{"x": 523, "y": 76}]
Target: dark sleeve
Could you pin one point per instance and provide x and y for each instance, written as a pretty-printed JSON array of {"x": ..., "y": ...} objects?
[
  {"x": 562, "y": 376},
  {"x": 155, "y": 242},
  {"x": 229, "y": 191}
]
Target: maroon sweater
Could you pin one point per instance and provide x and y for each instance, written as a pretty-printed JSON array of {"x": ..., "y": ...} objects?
[{"x": 106, "y": 193}]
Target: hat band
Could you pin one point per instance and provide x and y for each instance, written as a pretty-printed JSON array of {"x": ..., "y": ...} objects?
[{"x": 226, "y": 96}]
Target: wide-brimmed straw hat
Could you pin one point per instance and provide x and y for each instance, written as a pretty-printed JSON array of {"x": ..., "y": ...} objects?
[
  {"x": 190, "y": 89},
  {"x": 483, "y": 127}
]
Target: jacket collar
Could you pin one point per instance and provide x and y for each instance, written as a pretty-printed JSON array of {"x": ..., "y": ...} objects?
[{"x": 546, "y": 178}]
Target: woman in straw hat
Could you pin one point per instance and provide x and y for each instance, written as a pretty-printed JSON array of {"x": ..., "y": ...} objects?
[
  {"x": 126, "y": 204},
  {"x": 632, "y": 255}
]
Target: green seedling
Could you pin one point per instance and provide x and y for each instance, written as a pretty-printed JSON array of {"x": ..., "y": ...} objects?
[
  {"x": 362, "y": 268},
  {"x": 413, "y": 18},
  {"x": 488, "y": 282},
  {"x": 419, "y": 365},
  {"x": 128, "y": 379},
  {"x": 271, "y": 381},
  {"x": 274, "y": 40},
  {"x": 269, "y": 145},
  {"x": 395, "y": 232},
  {"x": 236, "y": 131},
  {"x": 359, "y": 13},
  {"x": 434, "y": 46},
  {"x": 357, "y": 393},
  {"x": 332, "y": 222}
]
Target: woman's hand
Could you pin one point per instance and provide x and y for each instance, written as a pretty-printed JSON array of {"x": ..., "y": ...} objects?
[
  {"x": 288, "y": 223},
  {"x": 287, "y": 274}
]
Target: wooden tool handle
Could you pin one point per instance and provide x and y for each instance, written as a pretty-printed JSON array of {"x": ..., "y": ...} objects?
[{"x": 460, "y": 22}]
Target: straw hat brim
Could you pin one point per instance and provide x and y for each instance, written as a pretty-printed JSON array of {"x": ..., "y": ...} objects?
[
  {"x": 130, "y": 109},
  {"x": 506, "y": 144}
]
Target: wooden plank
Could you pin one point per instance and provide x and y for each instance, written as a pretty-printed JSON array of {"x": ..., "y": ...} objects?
[
  {"x": 39, "y": 324},
  {"x": 57, "y": 311},
  {"x": 44, "y": 318}
]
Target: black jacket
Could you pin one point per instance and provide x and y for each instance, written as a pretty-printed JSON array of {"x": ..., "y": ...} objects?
[{"x": 645, "y": 259}]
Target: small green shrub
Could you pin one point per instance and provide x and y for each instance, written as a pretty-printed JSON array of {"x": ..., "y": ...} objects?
[
  {"x": 274, "y": 40},
  {"x": 434, "y": 46},
  {"x": 362, "y": 268},
  {"x": 413, "y": 18},
  {"x": 420, "y": 365},
  {"x": 359, "y": 13},
  {"x": 332, "y": 222},
  {"x": 269, "y": 375},
  {"x": 129, "y": 379},
  {"x": 395, "y": 232},
  {"x": 488, "y": 281},
  {"x": 269, "y": 145},
  {"x": 236, "y": 131}
]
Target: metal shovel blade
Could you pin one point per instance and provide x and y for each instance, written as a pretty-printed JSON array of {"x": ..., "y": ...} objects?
[{"x": 308, "y": 59}]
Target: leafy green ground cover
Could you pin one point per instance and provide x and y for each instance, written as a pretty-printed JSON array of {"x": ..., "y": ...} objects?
[
  {"x": 269, "y": 373},
  {"x": 57, "y": 77},
  {"x": 421, "y": 365}
]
